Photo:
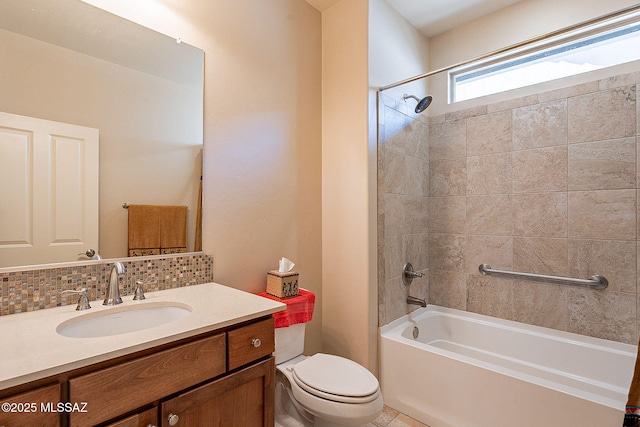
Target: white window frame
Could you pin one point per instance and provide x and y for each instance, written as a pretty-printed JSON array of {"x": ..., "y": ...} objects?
[{"x": 531, "y": 52}]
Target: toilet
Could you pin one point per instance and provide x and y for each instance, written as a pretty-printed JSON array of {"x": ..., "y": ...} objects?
[{"x": 323, "y": 389}]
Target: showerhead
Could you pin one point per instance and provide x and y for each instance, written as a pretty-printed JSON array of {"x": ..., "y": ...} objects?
[{"x": 422, "y": 103}]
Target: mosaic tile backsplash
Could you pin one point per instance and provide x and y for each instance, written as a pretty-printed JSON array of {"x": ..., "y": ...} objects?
[{"x": 31, "y": 290}]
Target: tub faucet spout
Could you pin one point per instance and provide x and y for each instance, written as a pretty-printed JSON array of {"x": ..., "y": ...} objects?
[
  {"x": 112, "y": 296},
  {"x": 416, "y": 301}
]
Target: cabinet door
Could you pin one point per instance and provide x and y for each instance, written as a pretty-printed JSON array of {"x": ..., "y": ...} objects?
[
  {"x": 243, "y": 399},
  {"x": 34, "y": 408},
  {"x": 147, "y": 418}
]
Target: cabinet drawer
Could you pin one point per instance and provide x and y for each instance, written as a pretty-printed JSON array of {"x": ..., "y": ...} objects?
[
  {"x": 130, "y": 385},
  {"x": 143, "y": 419},
  {"x": 250, "y": 343},
  {"x": 29, "y": 409}
]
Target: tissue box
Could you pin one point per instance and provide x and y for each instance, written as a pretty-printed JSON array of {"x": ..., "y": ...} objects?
[{"x": 282, "y": 285}]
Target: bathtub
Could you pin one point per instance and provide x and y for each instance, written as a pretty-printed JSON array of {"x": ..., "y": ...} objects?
[{"x": 470, "y": 370}]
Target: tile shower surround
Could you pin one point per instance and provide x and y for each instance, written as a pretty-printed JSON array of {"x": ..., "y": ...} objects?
[
  {"x": 31, "y": 290},
  {"x": 546, "y": 183}
]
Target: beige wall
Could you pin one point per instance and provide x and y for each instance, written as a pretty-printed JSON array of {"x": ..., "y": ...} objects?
[
  {"x": 150, "y": 143},
  {"x": 262, "y": 134},
  {"x": 396, "y": 51},
  {"x": 348, "y": 234}
]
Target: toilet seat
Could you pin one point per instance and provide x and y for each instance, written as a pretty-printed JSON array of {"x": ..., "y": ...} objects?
[
  {"x": 335, "y": 378},
  {"x": 332, "y": 407}
]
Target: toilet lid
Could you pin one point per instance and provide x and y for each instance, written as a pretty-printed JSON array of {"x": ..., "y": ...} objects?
[{"x": 324, "y": 374}]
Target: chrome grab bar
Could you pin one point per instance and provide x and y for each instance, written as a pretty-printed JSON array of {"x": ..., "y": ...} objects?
[{"x": 595, "y": 282}]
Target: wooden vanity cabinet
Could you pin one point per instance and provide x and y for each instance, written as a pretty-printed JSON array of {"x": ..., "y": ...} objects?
[
  {"x": 225, "y": 379},
  {"x": 221, "y": 378}
]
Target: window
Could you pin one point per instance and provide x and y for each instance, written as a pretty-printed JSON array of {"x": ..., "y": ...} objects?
[{"x": 607, "y": 44}]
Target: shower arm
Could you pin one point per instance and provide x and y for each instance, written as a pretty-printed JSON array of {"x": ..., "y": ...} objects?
[{"x": 536, "y": 39}]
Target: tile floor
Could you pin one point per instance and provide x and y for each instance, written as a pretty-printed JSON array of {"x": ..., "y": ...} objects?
[{"x": 392, "y": 418}]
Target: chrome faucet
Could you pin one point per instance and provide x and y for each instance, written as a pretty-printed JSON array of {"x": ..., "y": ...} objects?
[
  {"x": 416, "y": 301},
  {"x": 112, "y": 296}
]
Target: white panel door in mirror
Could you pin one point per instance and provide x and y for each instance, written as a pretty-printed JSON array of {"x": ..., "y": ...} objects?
[{"x": 48, "y": 190}]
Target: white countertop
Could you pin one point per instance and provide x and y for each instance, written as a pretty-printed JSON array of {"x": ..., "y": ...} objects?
[{"x": 32, "y": 349}]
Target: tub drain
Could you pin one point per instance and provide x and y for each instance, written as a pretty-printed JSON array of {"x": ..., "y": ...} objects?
[{"x": 416, "y": 332}]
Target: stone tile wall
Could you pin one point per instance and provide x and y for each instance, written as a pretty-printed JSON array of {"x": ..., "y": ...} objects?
[
  {"x": 403, "y": 197},
  {"x": 545, "y": 184},
  {"x": 30, "y": 290}
]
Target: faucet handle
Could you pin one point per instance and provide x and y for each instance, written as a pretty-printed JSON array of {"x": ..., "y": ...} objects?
[
  {"x": 408, "y": 274},
  {"x": 138, "y": 293},
  {"x": 83, "y": 300}
]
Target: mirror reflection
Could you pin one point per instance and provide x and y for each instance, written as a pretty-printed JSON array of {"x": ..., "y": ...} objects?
[{"x": 74, "y": 64}]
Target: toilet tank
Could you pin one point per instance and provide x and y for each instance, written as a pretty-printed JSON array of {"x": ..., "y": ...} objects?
[{"x": 289, "y": 342}]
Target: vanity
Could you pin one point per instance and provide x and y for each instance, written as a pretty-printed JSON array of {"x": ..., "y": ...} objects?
[{"x": 210, "y": 366}]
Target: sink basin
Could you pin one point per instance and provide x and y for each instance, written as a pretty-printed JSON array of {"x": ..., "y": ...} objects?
[{"x": 122, "y": 320}]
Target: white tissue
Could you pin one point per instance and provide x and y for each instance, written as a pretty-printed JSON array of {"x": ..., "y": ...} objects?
[{"x": 285, "y": 265}]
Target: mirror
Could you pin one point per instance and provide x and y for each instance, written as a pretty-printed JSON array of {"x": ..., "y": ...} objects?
[{"x": 73, "y": 63}]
